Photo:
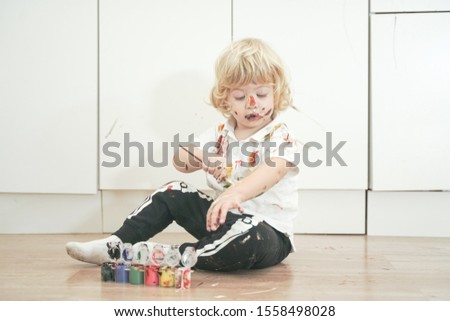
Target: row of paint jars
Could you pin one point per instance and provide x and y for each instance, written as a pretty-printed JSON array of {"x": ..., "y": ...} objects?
[{"x": 152, "y": 275}]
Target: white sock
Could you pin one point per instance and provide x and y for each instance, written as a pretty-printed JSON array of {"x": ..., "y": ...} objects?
[{"x": 95, "y": 252}]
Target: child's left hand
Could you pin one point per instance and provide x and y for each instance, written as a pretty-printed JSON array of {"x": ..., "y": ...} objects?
[
  {"x": 256, "y": 183},
  {"x": 218, "y": 210}
]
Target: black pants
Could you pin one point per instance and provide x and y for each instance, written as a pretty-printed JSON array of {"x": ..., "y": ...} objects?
[{"x": 241, "y": 243}]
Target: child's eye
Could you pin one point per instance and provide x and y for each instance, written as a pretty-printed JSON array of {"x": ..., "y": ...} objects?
[
  {"x": 261, "y": 95},
  {"x": 240, "y": 98}
]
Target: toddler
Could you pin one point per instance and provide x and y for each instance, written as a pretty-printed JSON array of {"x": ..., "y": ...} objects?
[{"x": 250, "y": 162}]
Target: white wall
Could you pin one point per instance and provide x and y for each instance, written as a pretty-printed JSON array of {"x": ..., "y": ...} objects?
[{"x": 77, "y": 75}]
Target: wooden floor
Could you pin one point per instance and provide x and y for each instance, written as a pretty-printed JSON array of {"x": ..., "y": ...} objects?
[{"x": 36, "y": 267}]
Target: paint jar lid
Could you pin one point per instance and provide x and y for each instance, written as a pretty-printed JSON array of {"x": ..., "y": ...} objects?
[{"x": 189, "y": 257}]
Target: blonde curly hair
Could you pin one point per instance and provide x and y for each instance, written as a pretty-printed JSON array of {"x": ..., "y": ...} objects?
[{"x": 245, "y": 61}]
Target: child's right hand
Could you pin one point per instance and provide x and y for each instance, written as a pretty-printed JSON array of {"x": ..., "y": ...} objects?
[{"x": 216, "y": 166}]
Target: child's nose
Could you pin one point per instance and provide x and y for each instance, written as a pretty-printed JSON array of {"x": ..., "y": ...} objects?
[{"x": 251, "y": 101}]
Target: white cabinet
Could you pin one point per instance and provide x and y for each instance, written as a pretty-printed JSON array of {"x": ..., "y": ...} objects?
[
  {"x": 156, "y": 71},
  {"x": 410, "y": 76},
  {"x": 324, "y": 45},
  {"x": 410, "y": 117},
  {"x": 48, "y": 96}
]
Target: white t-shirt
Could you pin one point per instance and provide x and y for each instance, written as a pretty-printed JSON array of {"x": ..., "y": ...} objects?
[{"x": 277, "y": 206}]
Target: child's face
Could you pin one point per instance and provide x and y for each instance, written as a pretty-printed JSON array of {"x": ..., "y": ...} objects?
[{"x": 252, "y": 105}]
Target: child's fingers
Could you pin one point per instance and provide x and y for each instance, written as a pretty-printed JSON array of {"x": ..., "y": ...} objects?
[
  {"x": 217, "y": 213},
  {"x": 211, "y": 219},
  {"x": 216, "y": 218},
  {"x": 219, "y": 173},
  {"x": 222, "y": 174}
]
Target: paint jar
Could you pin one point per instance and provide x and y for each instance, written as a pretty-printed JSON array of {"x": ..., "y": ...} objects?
[
  {"x": 158, "y": 254},
  {"x": 143, "y": 255},
  {"x": 121, "y": 273},
  {"x": 107, "y": 272},
  {"x": 127, "y": 252},
  {"x": 166, "y": 276},
  {"x": 151, "y": 275},
  {"x": 183, "y": 278},
  {"x": 189, "y": 257},
  {"x": 137, "y": 274},
  {"x": 173, "y": 256}
]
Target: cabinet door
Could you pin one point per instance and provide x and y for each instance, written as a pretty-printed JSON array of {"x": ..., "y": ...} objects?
[
  {"x": 48, "y": 96},
  {"x": 156, "y": 71},
  {"x": 324, "y": 45},
  {"x": 410, "y": 101}
]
